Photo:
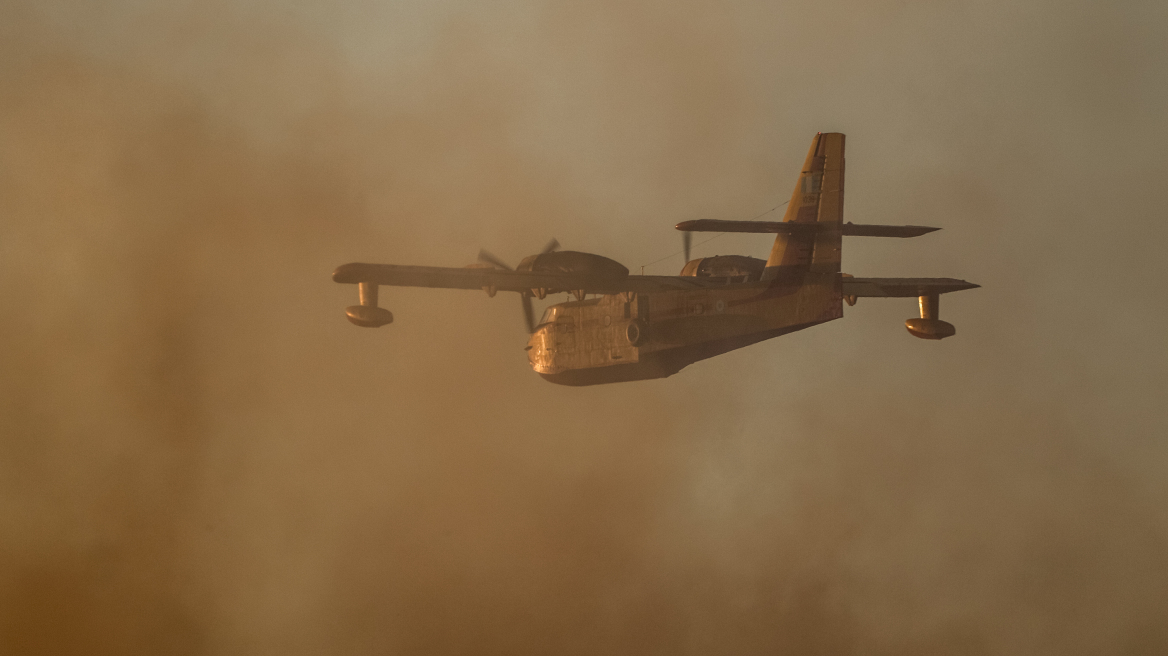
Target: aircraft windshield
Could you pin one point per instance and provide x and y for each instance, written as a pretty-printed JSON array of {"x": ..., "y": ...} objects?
[{"x": 548, "y": 315}]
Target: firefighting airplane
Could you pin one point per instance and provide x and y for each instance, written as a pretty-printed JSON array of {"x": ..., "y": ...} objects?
[{"x": 637, "y": 327}]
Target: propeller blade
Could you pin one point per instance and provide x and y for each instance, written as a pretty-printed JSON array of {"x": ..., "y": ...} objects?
[
  {"x": 528, "y": 312},
  {"x": 551, "y": 247},
  {"x": 484, "y": 256},
  {"x": 686, "y": 240}
]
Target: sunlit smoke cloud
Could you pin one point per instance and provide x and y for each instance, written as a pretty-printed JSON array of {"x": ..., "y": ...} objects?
[{"x": 199, "y": 455}]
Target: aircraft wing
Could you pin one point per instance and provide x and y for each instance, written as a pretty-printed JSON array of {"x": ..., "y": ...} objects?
[
  {"x": 899, "y": 287},
  {"x": 513, "y": 281},
  {"x": 554, "y": 283},
  {"x": 445, "y": 277},
  {"x": 795, "y": 228}
]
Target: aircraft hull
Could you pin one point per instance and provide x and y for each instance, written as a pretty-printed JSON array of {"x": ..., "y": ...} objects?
[
  {"x": 663, "y": 363},
  {"x": 626, "y": 337}
]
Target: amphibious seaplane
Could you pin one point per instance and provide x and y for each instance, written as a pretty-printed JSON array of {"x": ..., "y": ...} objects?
[{"x": 625, "y": 327}]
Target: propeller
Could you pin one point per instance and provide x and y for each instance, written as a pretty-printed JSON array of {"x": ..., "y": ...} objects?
[
  {"x": 686, "y": 240},
  {"x": 528, "y": 311},
  {"x": 488, "y": 258},
  {"x": 524, "y": 296}
]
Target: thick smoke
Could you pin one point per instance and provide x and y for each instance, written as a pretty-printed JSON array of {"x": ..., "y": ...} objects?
[{"x": 199, "y": 455}]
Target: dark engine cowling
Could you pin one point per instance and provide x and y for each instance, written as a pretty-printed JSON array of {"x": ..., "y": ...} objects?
[
  {"x": 574, "y": 262},
  {"x": 725, "y": 266}
]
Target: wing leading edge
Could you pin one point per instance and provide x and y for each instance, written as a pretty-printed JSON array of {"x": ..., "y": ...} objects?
[
  {"x": 512, "y": 281},
  {"x": 793, "y": 228},
  {"x": 903, "y": 287},
  {"x": 554, "y": 283}
]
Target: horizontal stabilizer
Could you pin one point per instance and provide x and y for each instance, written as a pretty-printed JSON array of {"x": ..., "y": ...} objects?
[
  {"x": 857, "y": 230},
  {"x": 796, "y": 228},
  {"x": 903, "y": 287}
]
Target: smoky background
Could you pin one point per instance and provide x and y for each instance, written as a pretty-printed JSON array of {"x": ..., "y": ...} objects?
[{"x": 199, "y": 455}]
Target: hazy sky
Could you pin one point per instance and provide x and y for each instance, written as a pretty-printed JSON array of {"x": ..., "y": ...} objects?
[{"x": 199, "y": 455}]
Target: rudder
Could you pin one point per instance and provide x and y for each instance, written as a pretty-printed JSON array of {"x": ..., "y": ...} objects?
[{"x": 818, "y": 198}]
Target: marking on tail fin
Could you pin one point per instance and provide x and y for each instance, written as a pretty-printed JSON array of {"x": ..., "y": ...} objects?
[{"x": 817, "y": 198}]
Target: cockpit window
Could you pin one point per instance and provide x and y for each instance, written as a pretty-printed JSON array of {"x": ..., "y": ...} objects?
[{"x": 548, "y": 315}]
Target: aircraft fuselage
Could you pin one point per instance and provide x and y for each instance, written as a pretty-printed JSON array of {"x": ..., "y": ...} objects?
[{"x": 628, "y": 336}]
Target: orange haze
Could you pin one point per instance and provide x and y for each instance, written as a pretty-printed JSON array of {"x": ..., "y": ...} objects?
[{"x": 198, "y": 455}]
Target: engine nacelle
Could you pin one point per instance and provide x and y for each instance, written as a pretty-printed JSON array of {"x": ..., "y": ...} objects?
[
  {"x": 725, "y": 266},
  {"x": 574, "y": 262}
]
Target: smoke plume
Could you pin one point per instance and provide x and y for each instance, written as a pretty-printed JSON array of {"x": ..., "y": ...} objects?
[{"x": 198, "y": 455}]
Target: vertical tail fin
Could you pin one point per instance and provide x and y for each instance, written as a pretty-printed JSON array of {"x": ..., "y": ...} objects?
[{"x": 818, "y": 198}]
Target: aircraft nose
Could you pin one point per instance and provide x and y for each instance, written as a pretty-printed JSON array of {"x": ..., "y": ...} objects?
[{"x": 538, "y": 353}]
